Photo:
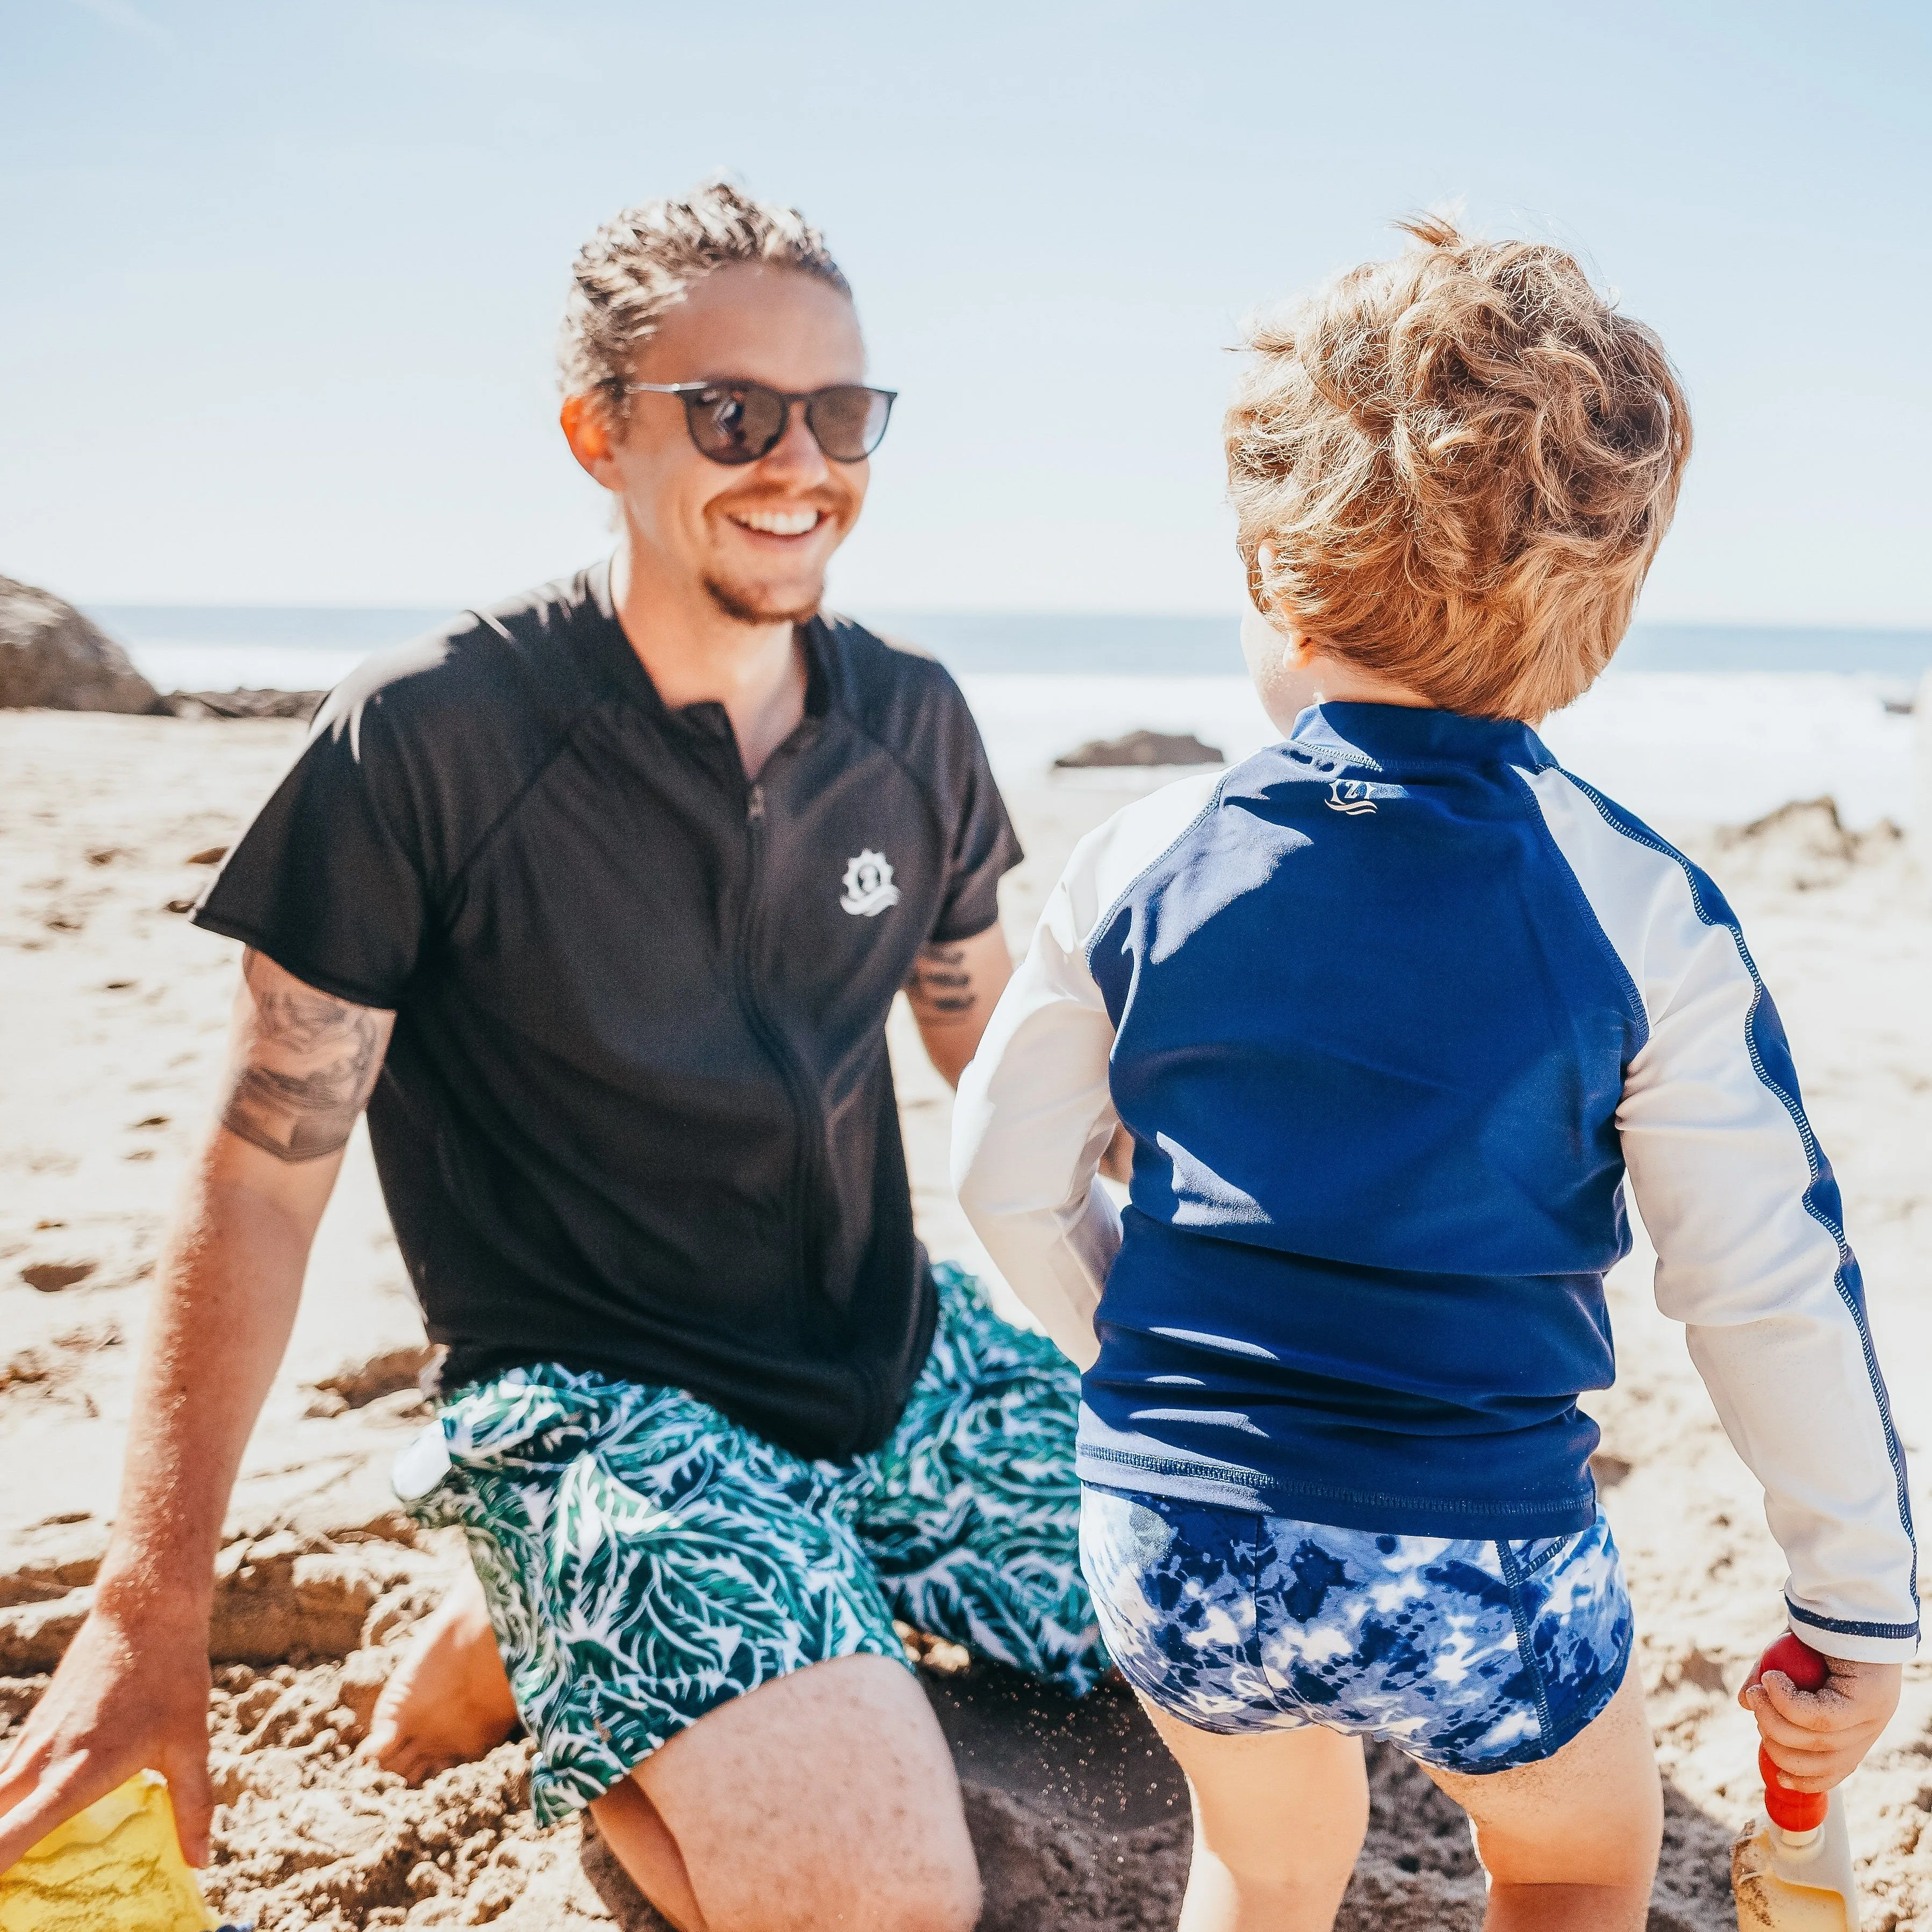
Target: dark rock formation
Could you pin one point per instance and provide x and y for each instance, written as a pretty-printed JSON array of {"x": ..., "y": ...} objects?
[
  {"x": 51, "y": 655},
  {"x": 1142, "y": 748},
  {"x": 302, "y": 704}
]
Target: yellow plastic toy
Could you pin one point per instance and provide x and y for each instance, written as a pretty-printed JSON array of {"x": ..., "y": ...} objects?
[{"x": 116, "y": 1866}]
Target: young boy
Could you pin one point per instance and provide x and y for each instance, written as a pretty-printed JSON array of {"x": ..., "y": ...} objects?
[{"x": 1390, "y": 1010}]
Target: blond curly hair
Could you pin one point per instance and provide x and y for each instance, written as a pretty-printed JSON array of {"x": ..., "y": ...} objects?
[
  {"x": 1454, "y": 468},
  {"x": 639, "y": 263}
]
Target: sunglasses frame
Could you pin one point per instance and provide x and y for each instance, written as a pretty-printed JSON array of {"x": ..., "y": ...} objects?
[{"x": 689, "y": 392}]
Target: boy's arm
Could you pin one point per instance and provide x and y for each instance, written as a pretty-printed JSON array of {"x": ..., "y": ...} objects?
[
  {"x": 1744, "y": 1214},
  {"x": 1740, "y": 1203},
  {"x": 1033, "y": 1118},
  {"x": 132, "y": 1689}
]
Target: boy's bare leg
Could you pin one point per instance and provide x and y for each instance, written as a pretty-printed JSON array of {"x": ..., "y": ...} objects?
[
  {"x": 448, "y": 1701},
  {"x": 1570, "y": 1844},
  {"x": 1279, "y": 1818}
]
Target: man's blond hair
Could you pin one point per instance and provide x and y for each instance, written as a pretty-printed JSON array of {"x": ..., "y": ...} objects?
[
  {"x": 639, "y": 263},
  {"x": 1461, "y": 462}
]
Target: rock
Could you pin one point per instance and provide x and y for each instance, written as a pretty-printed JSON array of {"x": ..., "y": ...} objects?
[
  {"x": 51, "y": 656},
  {"x": 1141, "y": 748},
  {"x": 1803, "y": 846},
  {"x": 301, "y": 704},
  {"x": 50, "y": 1277}
]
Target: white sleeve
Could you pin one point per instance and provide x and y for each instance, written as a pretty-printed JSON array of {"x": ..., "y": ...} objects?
[
  {"x": 1743, "y": 1213},
  {"x": 1034, "y": 1115},
  {"x": 1032, "y": 1121}
]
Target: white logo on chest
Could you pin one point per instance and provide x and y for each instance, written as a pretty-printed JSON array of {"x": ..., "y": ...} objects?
[{"x": 868, "y": 885}]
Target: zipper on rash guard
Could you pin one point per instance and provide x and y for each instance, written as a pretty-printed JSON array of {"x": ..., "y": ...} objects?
[{"x": 806, "y": 1110}]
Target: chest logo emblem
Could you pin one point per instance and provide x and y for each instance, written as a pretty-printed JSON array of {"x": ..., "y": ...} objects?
[{"x": 868, "y": 885}]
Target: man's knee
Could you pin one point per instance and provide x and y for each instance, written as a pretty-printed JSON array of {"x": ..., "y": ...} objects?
[
  {"x": 879, "y": 1895},
  {"x": 946, "y": 1901}
]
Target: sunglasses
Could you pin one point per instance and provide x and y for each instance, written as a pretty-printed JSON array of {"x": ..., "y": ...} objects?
[{"x": 738, "y": 422}]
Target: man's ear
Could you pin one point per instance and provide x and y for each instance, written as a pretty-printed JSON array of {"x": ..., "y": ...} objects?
[{"x": 588, "y": 433}]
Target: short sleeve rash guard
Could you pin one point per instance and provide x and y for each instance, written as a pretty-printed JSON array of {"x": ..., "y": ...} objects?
[{"x": 637, "y": 1114}]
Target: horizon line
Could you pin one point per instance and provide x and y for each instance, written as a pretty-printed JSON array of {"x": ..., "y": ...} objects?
[{"x": 105, "y": 606}]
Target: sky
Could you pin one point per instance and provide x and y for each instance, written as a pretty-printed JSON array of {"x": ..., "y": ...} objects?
[{"x": 279, "y": 285}]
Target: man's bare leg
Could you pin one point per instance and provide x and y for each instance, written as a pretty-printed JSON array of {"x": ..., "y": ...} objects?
[
  {"x": 643, "y": 1846},
  {"x": 824, "y": 1800},
  {"x": 448, "y": 1701}
]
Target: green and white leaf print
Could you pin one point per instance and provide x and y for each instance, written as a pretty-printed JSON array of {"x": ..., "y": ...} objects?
[{"x": 646, "y": 1558}]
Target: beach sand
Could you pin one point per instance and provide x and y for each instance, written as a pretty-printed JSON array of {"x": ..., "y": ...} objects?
[{"x": 112, "y": 1017}]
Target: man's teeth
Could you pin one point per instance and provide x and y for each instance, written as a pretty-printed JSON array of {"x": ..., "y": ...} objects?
[{"x": 779, "y": 523}]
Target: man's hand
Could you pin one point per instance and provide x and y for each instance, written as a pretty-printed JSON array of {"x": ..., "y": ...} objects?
[
  {"x": 129, "y": 1695},
  {"x": 1817, "y": 1738}
]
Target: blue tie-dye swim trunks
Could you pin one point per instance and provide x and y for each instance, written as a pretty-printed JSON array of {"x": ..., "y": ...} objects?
[{"x": 1472, "y": 1656}]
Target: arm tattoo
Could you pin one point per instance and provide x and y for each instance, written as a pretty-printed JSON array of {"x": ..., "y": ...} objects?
[
  {"x": 941, "y": 987},
  {"x": 308, "y": 1070}
]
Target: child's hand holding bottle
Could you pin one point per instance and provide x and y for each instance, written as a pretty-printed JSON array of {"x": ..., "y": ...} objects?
[{"x": 1817, "y": 1736}]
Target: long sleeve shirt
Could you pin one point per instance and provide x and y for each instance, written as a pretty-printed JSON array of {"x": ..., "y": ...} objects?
[{"x": 1393, "y": 1011}]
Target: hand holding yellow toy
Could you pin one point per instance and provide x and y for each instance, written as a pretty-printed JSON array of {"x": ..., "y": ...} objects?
[{"x": 116, "y": 1866}]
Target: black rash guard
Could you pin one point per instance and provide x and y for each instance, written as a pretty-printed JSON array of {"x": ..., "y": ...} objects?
[{"x": 637, "y": 1114}]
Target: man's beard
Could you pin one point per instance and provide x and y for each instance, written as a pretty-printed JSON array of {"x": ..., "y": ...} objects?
[{"x": 738, "y": 605}]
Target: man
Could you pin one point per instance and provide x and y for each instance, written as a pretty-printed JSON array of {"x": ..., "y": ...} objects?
[{"x": 604, "y": 896}]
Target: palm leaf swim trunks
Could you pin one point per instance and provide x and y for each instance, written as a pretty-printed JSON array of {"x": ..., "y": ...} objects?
[{"x": 646, "y": 1558}]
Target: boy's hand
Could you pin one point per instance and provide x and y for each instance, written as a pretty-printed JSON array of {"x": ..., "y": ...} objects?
[{"x": 1817, "y": 1738}]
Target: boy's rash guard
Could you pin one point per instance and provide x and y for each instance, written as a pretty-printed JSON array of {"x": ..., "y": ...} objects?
[{"x": 1389, "y": 1010}]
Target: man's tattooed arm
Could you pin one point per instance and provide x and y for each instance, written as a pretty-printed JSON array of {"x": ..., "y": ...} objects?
[
  {"x": 303, "y": 1066},
  {"x": 953, "y": 991},
  {"x": 954, "y": 987}
]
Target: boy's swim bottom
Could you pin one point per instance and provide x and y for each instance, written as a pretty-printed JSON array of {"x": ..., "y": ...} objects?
[
  {"x": 1473, "y": 1656},
  {"x": 645, "y": 1559}
]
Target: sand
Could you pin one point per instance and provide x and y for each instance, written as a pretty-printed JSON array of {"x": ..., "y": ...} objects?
[{"x": 112, "y": 1013}]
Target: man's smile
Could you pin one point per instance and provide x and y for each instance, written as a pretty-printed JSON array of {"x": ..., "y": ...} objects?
[{"x": 779, "y": 522}]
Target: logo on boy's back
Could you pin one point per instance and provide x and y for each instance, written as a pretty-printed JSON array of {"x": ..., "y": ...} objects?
[{"x": 1355, "y": 796}]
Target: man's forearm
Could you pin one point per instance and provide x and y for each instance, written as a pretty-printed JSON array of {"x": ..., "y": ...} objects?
[
  {"x": 954, "y": 987},
  {"x": 224, "y": 1306}
]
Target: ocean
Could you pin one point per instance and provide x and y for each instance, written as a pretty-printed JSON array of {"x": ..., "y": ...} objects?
[{"x": 1714, "y": 722}]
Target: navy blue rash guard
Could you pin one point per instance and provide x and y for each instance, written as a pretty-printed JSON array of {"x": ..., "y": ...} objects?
[{"x": 1390, "y": 1010}]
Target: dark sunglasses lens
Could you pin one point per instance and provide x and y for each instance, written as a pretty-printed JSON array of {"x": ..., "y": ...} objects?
[
  {"x": 738, "y": 424},
  {"x": 848, "y": 421}
]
